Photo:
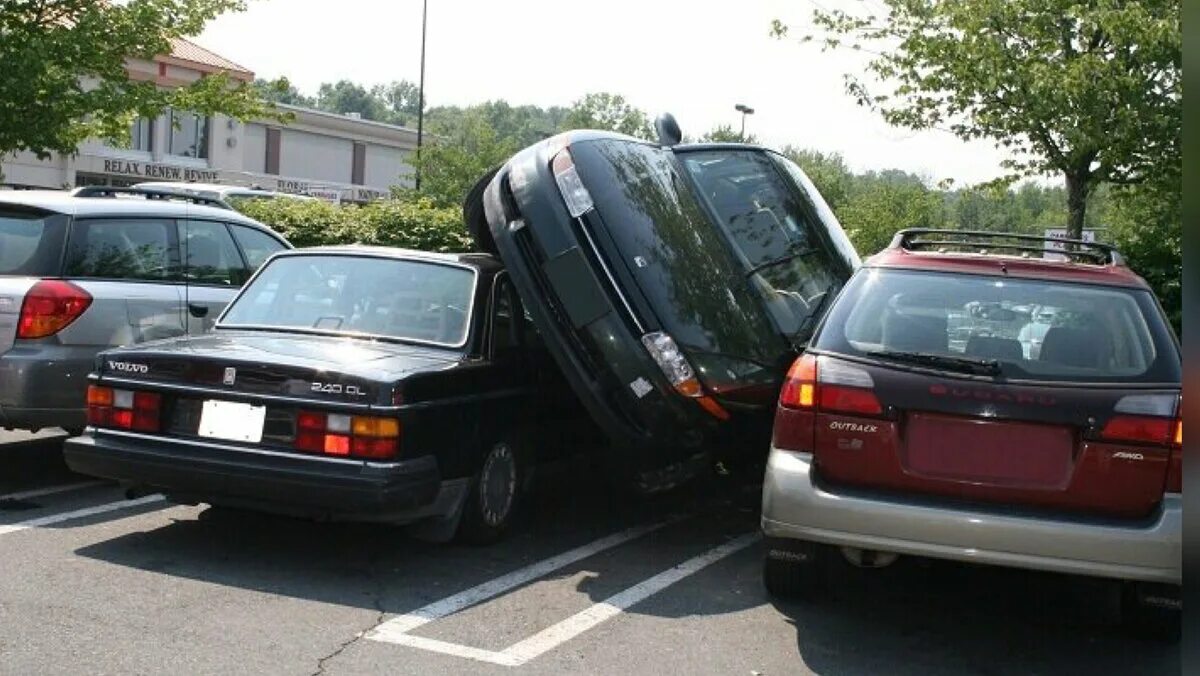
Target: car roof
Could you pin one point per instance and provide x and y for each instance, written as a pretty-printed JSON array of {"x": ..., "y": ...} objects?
[
  {"x": 1009, "y": 266},
  {"x": 64, "y": 202},
  {"x": 482, "y": 261}
]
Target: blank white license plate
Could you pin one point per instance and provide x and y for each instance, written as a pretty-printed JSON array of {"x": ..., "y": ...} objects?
[{"x": 232, "y": 421}]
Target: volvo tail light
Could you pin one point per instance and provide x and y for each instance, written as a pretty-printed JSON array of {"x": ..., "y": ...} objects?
[
  {"x": 574, "y": 192},
  {"x": 679, "y": 372},
  {"x": 123, "y": 409},
  {"x": 336, "y": 434},
  {"x": 50, "y": 306},
  {"x": 825, "y": 385}
]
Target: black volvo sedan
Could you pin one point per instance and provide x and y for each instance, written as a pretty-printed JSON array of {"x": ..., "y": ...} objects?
[
  {"x": 352, "y": 383},
  {"x": 674, "y": 284}
]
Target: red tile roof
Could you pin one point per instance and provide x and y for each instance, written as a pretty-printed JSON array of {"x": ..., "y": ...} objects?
[{"x": 192, "y": 53}]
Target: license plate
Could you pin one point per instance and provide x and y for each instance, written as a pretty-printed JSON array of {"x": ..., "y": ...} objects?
[{"x": 232, "y": 421}]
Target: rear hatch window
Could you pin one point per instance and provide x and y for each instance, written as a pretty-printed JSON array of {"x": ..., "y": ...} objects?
[
  {"x": 30, "y": 242},
  {"x": 1015, "y": 329}
]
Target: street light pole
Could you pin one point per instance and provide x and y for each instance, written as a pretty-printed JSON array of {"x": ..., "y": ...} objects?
[
  {"x": 744, "y": 110},
  {"x": 421, "y": 96}
]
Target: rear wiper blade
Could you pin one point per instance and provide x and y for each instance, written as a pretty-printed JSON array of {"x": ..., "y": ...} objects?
[{"x": 987, "y": 367}]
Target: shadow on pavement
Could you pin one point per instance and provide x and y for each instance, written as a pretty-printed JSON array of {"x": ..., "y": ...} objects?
[{"x": 931, "y": 617}]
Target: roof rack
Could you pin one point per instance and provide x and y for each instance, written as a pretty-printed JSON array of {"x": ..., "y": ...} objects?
[
  {"x": 150, "y": 194},
  {"x": 977, "y": 241}
]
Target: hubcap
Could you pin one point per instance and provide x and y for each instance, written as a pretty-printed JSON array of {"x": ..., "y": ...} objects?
[{"x": 497, "y": 484}]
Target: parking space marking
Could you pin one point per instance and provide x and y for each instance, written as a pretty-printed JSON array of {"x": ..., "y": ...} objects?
[
  {"x": 78, "y": 514},
  {"x": 403, "y": 624},
  {"x": 530, "y": 648},
  {"x": 52, "y": 490},
  {"x": 564, "y": 631}
]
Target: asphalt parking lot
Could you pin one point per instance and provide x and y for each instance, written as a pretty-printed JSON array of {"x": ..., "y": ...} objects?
[{"x": 591, "y": 583}]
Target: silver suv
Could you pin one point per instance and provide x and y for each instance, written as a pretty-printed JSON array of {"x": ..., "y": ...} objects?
[{"x": 94, "y": 268}]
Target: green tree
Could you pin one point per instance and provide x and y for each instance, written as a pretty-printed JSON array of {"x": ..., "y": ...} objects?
[
  {"x": 611, "y": 112},
  {"x": 401, "y": 101},
  {"x": 345, "y": 96},
  {"x": 65, "y": 79},
  {"x": 1147, "y": 226},
  {"x": 724, "y": 133},
  {"x": 452, "y": 161},
  {"x": 1088, "y": 89},
  {"x": 282, "y": 91},
  {"x": 882, "y": 203}
]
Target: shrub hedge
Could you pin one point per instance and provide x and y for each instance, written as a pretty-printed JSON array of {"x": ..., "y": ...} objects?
[{"x": 412, "y": 223}]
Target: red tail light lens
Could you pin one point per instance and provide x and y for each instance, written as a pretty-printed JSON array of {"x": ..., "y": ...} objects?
[
  {"x": 367, "y": 437},
  {"x": 1140, "y": 429},
  {"x": 50, "y": 305},
  {"x": 123, "y": 409},
  {"x": 829, "y": 386}
]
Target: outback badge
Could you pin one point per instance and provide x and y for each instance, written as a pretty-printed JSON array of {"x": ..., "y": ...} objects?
[{"x": 230, "y": 375}]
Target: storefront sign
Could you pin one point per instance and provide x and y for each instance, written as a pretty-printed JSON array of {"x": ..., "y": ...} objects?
[{"x": 165, "y": 172}]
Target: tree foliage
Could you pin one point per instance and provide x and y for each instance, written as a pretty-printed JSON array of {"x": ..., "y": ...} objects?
[
  {"x": 65, "y": 78},
  {"x": 724, "y": 133},
  {"x": 609, "y": 112},
  {"x": 1089, "y": 89},
  {"x": 415, "y": 223},
  {"x": 453, "y": 161}
]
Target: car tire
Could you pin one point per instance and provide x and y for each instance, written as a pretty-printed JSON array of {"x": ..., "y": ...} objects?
[
  {"x": 492, "y": 501},
  {"x": 797, "y": 577},
  {"x": 1149, "y": 611}
]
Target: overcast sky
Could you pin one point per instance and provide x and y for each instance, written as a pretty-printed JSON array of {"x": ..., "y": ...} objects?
[{"x": 694, "y": 59}]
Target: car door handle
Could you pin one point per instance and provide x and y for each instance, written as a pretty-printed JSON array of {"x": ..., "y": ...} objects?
[{"x": 197, "y": 311}]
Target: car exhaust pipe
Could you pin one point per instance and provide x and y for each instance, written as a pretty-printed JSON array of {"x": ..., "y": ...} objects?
[{"x": 869, "y": 558}]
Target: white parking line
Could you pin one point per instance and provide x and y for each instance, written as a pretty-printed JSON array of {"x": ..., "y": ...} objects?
[
  {"x": 77, "y": 514},
  {"x": 51, "y": 490},
  {"x": 554, "y": 636},
  {"x": 465, "y": 599}
]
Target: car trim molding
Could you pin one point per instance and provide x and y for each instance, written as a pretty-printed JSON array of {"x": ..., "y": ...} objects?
[{"x": 243, "y": 449}]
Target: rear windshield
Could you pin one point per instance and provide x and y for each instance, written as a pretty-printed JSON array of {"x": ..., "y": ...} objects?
[
  {"x": 358, "y": 295},
  {"x": 30, "y": 242},
  {"x": 1032, "y": 329}
]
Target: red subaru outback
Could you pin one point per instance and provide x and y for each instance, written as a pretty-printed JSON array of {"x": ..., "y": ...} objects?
[{"x": 989, "y": 399}]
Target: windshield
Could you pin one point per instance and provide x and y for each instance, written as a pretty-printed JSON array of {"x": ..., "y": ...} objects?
[
  {"x": 1026, "y": 329},
  {"x": 409, "y": 300},
  {"x": 30, "y": 242},
  {"x": 781, "y": 242}
]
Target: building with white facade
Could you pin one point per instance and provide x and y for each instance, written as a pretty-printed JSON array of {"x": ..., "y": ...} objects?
[{"x": 316, "y": 152}]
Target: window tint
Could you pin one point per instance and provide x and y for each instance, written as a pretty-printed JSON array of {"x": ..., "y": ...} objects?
[
  {"x": 122, "y": 248},
  {"x": 358, "y": 295},
  {"x": 1034, "y": 329},
  {"x": 30, "y": 242},
  {"x": 210, "y": 256},
  {"x": 256, "y": 245}
]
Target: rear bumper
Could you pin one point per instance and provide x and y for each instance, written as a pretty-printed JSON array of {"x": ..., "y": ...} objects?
[
  {"x": 396, "y": 492},
  {"x": 44, "y": 385},
  {"x": 796, "y": 507}
]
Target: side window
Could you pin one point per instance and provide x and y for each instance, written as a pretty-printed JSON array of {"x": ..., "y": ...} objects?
[
  {"x": 210, "y": 256},
  {"x": 122, "y": 248},
  {"x": 504, "y": 329},
  {"x": 256, "y": 245}
]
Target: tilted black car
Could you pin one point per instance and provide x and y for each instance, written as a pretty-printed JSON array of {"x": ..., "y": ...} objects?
[
  {"x": 673, "y": 284},
  {"x": 352, "y": 383}
]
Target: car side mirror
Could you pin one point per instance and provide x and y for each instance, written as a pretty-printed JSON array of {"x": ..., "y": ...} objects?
[{"x": 668, "y": 130}]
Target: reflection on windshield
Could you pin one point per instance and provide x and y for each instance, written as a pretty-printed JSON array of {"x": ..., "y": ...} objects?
[
  {"x": 358, "y": 295},
  {"x": 775, "y": 233}
]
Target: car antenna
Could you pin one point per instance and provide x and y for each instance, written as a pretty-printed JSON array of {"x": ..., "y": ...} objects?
[{"x": 668, "y": 130}]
